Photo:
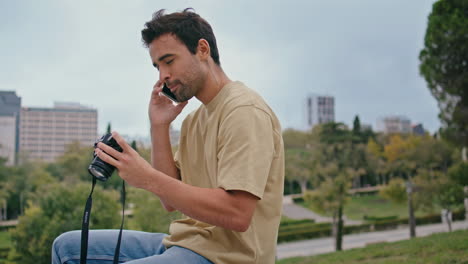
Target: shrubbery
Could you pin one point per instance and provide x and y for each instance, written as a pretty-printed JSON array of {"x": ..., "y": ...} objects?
[{"x": 303, "y": 231}]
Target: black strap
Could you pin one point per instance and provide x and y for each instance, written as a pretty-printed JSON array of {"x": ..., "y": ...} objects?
[
  {"x": 117, "y": 247},
  {"x": 85, "y": 225}
]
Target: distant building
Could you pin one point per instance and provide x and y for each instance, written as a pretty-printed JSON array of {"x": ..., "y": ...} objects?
[
  {"x": 8, "y": 139},
  {"x": 418, "y": 129},
  {"x": 10, "y": 107},
  {"x": 394, "y": 124},
  {"x": 320, "y": 109},
  {"x": 45, "y": 132},
  {"x": 366, "y": 127}
]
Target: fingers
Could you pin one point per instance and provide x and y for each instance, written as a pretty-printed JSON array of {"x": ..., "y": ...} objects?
[
  {"x": 157, "y": 96},
  {"x": 110, "y": 151},
  {"x": 159, "y": 84},
  {"x": 105, "y": 157},
  {"x": 121, "y": 141}
]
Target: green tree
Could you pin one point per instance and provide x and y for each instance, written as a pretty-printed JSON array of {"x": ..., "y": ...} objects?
[
  {"x": 436, "y": 188},
  {"x": 376, "y": 161},
  {"x": 300, "y": 166},
  {"x": 134, "y": 145},
  {"x": 18, "y": 185},
  {"x": 444, "y": 64},
  {"x": 109, "y": 128},
  {"x": 57, "y": 209},
  {"x": 4, "y": 187},
  {"x": 339, "y": 167},
  {"x": 395, "y": 191},
  {"x": 300, "y": 157},
  {"x": 148, "y": 213},
  {"x": 295, "y": 139},
  {"x": 72, "y": 166}
]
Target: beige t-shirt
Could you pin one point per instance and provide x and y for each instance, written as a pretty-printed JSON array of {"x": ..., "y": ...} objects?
[{"x": 234, "y": 143}]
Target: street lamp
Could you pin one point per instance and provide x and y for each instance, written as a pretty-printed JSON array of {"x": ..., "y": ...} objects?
[{"x": 411, "y": 219}]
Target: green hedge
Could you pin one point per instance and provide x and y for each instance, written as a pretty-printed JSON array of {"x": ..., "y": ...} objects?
[
  {"x": 309, "y": 231},
  {"x": 380, "y": 218},
  {"x": 291, "y": 222},
  {"x": 303, "y": 226},
  {"x": 305, "y": 233},
  {"x": 298, "y": 200}
]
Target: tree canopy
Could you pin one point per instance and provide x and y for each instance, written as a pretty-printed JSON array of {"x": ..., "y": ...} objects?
[{"x": 444, "y": 65}]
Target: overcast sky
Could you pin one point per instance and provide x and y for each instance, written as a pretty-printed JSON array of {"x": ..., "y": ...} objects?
[{"x": 362, "y": 52}]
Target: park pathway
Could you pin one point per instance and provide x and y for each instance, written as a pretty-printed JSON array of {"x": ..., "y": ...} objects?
[{"x": 326, "y": 245}]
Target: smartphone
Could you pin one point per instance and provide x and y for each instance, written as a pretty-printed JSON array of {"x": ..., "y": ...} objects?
[{"x": 167, "y": 92}]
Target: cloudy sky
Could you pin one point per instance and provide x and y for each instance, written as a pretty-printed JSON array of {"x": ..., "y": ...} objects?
[{"x": 362, "y": 52}]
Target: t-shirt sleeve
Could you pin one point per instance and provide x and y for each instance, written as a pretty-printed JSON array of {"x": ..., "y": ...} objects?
[
  {"x": 176, "y": 159},
  {"x": 245, "y": 150}
]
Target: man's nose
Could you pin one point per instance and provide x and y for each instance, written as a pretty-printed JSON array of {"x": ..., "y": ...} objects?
[{"x": 164, "y": 75}]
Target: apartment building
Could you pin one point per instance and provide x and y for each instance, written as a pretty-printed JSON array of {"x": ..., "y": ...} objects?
[
  {"x": 320, "y": 109},
  {"x": 45, "y": 132},
  {"x": 394, "y": 124}
]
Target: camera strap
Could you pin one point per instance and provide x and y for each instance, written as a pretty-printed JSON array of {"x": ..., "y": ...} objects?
[{"x": 85, "y": 225}]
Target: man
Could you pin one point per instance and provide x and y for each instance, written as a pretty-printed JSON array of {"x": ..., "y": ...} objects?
[{"x": 227, "y": 176}]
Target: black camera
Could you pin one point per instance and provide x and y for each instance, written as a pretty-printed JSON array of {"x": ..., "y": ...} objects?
[{"x": 98, "y": 168}]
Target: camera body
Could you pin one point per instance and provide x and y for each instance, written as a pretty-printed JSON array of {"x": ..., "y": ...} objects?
[{"x": 98, "y": 168}]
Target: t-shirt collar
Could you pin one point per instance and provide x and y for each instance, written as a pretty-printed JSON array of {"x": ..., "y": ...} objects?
[{"x": 211, "y": 106}]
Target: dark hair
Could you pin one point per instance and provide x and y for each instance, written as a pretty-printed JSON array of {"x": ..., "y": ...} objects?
[{"x": 187, "y": 25}]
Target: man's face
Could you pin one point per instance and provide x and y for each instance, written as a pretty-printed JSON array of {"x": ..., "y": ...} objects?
[{"x": 178, "y": 68}]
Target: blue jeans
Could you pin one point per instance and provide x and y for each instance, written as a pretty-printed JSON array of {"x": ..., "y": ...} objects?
[{"x": 136, "y": 248}]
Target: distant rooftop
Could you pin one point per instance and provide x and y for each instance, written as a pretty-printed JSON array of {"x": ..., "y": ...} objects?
[{"x": 70, "y": 105}]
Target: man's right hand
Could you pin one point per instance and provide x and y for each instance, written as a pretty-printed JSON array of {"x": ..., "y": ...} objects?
[{"x": 161, "y": 110}]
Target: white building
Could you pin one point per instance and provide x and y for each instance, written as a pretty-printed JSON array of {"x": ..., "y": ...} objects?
[
  {"x": 8, "y": 138},
  {"x": 10, "y": 105},
  {"x": 45, "y": 132},
  {"x": 319, "y": 109},
  {"x": 394, "y": 124}
]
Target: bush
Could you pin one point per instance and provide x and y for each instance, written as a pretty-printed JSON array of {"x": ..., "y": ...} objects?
[
  {"x": 60, "y": 209},
  {"x": 304, "y": 226},
  {"x": 298, "y": 199},
  {"x": 458, "y": 215},
  {"x": 300, "y": 234},
  {"x": 303, "y": 231},
  {"x": 289, "y": 222},
  {"x": 380, "y": 218}
]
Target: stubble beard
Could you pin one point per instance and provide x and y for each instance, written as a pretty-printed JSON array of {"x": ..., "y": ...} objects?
[{"x": 191, "y": 86}]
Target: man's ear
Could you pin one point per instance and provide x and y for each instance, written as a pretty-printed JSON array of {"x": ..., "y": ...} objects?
[{"x": 203, "y": 49}]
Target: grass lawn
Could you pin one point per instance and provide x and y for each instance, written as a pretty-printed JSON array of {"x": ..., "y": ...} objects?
[
  {"x": 435, "y": 249},
  {"x": 371, "y": 205},
  {"x": 5, "y": 240}
]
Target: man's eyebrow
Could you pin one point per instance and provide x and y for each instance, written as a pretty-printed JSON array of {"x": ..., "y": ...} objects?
[{"x": 162, "y": 58}]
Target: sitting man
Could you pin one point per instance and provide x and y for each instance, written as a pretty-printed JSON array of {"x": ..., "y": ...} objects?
[{"x": 227, "y": 175}]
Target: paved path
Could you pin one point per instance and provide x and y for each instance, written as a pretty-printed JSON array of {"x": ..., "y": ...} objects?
[{"x": 326, "y": 245}]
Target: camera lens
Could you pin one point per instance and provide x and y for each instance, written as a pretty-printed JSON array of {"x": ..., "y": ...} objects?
[{"x": 98, "y": 168}]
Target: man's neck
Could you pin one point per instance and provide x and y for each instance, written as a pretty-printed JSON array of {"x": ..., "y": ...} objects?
[{"x": 216, "y": 79}]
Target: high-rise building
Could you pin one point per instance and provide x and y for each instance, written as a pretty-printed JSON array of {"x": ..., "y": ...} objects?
[
  {"x": 10, "y": 107},
  {"x": 45, "y": 132},
  {"x": 320, "y": 109},
  {"x": 394, "y": 124}
]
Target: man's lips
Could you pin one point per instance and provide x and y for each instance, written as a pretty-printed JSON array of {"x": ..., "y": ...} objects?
[{"x": 173, "y": 87}]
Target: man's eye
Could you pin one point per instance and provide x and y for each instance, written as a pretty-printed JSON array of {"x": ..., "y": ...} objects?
[{"x": 169, "y": 62}]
